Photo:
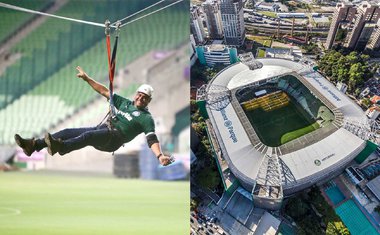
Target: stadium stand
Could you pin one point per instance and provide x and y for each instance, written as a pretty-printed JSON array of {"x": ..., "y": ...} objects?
[
  {"x": 299, "y": 92},
  {"x": 13, "y": 20},
  {"x": 268, "y": 102}
]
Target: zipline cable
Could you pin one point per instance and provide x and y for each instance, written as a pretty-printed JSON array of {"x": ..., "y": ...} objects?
[
  {"x": 113, "y": 25},
  {"x": 51, "y": 15},
  {"x": 146, "y": 8},
  {"x": 162, "y": 8}
]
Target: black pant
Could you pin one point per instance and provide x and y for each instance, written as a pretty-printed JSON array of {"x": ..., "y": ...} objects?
[{"x": 102, "y": 138}]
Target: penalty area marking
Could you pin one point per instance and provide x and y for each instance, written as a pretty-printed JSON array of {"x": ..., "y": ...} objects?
[{"x": 6, "y": 211}]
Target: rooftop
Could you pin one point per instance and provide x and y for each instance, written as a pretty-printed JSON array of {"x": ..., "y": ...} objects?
[{"x": 315, "y": 155}]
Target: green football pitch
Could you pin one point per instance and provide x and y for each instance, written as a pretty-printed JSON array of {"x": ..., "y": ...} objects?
[
  {"x": 281, "y": 125},
  {"x": 61, "y": 203}
]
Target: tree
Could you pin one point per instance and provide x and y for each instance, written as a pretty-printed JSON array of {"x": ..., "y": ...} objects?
[
  {"x": 341, "y": 35},
  {"x": 328, "y": 64},
  {"x": 377, "y": 209},
  {"x": 353, "y": 57},
  {"x": 194, "y": 204},
  {"x": 355, "y": 76},
  {"x": 309, "y": 226},
  {"x": 366, "y": 102},
  {"x": 208, "y": 178},
  {"x": 331, "y": 230},
  {"x": 352, "y": 69},
  {"x": 357, "y": 92},
  {"x": 341, "y": 228},
  {"x": 196, "y": 72},
  {"x": 364, "y": 57},
  {"x": 296, "y": 207}
]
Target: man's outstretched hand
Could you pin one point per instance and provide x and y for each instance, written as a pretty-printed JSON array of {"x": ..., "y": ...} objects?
[
  {"x": 166, "y": 160},
  {"x": 81, "y": 74}
]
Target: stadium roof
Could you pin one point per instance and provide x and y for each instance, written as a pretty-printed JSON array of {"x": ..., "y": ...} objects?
[
  {"x": 315, "y": 160},
  {"x": 374, "y": 186},
  {"x": 242, "y": 154},
  {"x": 268, "y": 225},
  {"x": 271, "y": 68},
  {"x": 322, "y": 155}
]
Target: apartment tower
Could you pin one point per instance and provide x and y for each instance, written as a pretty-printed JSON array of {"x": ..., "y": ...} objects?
[
  {"x": 365, "y": 20},
  {"x": 211, "y": 9},
  {"x": 233, "y": 21},
  {"x": 374, "y": 42},
  {"x": 196, "y": 25},
  {"x": 344, "y": 13}
]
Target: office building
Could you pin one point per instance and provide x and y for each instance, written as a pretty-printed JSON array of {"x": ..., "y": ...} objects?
[
  {"x": 211, "y": 9},
  {"x": 344, "y": 13},
  {"x": 196, "y": 25},
  {"x": 233, "y": 21}
]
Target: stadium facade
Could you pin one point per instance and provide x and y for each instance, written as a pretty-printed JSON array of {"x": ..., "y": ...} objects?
[{"x": 270, "y": 173}]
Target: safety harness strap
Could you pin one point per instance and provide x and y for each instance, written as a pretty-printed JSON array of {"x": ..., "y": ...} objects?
[{"x": 111, "y": 60}]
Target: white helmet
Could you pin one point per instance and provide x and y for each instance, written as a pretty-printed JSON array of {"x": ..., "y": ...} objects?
[{"x": 146, "y": 89}]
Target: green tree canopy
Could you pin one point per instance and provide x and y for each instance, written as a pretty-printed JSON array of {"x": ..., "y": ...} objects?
[
  {"x": 351, "y": 69},
  {"x": 208, "y": 179},
  {"x": 296, "y": 207}
]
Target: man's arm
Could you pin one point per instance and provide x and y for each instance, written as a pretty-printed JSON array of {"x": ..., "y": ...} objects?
[
  {"x": 156, "y": 149},
  {"x": 100, "y": 88}
]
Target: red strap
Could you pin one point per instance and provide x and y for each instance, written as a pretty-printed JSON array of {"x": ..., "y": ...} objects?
[{"x": 111, "y": 68}]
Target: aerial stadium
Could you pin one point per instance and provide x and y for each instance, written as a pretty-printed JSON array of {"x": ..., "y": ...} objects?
[{"x": 278, "y": 127}]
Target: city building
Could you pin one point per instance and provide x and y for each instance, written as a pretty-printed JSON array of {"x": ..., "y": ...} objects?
[
  {"x": 283, "y": 53},
  {"x": 367, "y": 15},
  {"x": 375, "y": 99},
  {"x": 193, "y": 56},
  {"x": 342, "y": 87},
  {"x": 196, "y": 25},
  {"x": 267, "y": 6},
  {"x": 211, "y": 9},
  {"x": 361, "y": 23},
  {"x": 233, "y": 21},
  {"x": 374, "y": 186},
  {"x": 216, "y": 53},
  {"x": 373, "y": 112},
  {"x": 344, "y": 13},
  {"x": 374, "y": 42}
]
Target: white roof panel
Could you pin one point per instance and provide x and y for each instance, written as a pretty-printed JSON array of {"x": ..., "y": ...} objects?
[
  {"x": 374, "y": 186},
  {"x": 329, "y": 151},
  {"x": 238, "y": 146}
]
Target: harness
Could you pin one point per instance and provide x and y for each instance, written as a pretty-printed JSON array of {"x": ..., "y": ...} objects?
[{"x": 111, "y": 71}]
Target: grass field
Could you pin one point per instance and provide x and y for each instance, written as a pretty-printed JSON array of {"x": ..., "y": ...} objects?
[
  {"x": 264, "y": 41},
  {"x": 268, "y": 13},
  {"x": 297, "y": 133},
  {"x": 261, "y": 53},
  {"x": 61, "y": 203},
  {"x": 279, "y": 126}
]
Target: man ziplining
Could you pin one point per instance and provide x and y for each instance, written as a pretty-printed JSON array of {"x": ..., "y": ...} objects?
[{"x": 129, "y": 120}]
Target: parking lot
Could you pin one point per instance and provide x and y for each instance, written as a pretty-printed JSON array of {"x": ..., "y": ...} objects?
[{"x": 202, "y": 224}]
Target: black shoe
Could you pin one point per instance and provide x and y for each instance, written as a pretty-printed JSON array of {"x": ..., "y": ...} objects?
[
  {"x": 54, "y": 145},
  {"x": 27, "y": 145}
]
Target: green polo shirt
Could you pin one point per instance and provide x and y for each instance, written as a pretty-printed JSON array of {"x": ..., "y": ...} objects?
[{"x": 131, "y": 121}]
